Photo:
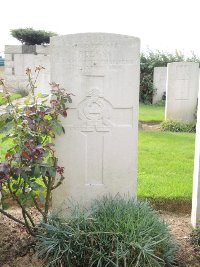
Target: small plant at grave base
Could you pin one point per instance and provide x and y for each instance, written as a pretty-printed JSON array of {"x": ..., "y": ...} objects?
[
  {"x": 195, "y": 239},
  {"x": 114, "y": 231},
  {"x": 30, "y": 171},
  {"x": 178, "y": 126}
]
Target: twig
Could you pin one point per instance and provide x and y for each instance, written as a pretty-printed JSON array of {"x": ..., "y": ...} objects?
[{"x": 11, "y": 217}]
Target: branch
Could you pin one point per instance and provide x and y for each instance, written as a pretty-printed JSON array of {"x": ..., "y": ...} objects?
[
  {"x": 20, "y": 204},
  {"x": 37, "y": 206},
  {"x": 58, "y": 183},
  {"x": 47, "y": 200},
  {"x": 11, "y": 217},
  {"x": 28, "y": 227}
]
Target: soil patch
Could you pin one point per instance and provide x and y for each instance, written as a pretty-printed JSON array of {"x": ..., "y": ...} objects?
[
  {"x": 17, "y": 248},
  {"x": 150, "y": 126},
  {"x": 172, "y": 205}
]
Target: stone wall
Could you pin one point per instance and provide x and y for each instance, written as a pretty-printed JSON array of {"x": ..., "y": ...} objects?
[{"x": 19, "y": 57}]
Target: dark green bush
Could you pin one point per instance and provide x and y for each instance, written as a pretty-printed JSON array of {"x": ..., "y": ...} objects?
[
  {"x": 28, "y": 36},
  {"x": 178, "y": 126},
  {"x": 112, "y": 232},
  {"x": 150, "y": 60}
]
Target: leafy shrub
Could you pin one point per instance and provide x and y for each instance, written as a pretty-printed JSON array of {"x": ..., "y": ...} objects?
[
  {"x": 150, "y": 60},
  {"x": 112, "y": 232},
  {"x": 178, "y": 126},
  {"x": 28, "y": 36},
  {"x": 30, "y": 170}
]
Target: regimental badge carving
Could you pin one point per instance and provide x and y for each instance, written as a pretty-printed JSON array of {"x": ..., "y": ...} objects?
[{"x": 94, "y": 112}]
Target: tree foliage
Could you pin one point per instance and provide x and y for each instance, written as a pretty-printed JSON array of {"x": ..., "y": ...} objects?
[
  {"x": 150, "y": 60},
  {"x": 29, "y": 36}
]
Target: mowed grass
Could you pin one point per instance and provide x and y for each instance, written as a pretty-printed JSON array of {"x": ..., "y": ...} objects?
[
  {"x": 13, "y": 97},
  {"x": 3, "y": 147},
  {"x": 165, "y": 165},
  {"x": 151, "y": 113}
]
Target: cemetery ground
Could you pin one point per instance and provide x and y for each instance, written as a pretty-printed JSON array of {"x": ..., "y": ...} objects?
[{"x": 165, "y": 167}]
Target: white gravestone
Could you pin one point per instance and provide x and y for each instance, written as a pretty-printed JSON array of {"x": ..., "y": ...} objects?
[
  {"x": 99, "y": 148},
  {"x": 182, "y": 91},
  {"x": 195, "y": 218},
  {"x": 159, "y": 82}
]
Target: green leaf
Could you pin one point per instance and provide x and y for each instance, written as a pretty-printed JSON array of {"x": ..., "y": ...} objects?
[
  {"x": 37, "y": 171},
  {"x": 27, "y": 100},
  {"x": 42, "y": 198},
  {"x": 52, "y": 172},
  {"x": 57, "y": 127}
]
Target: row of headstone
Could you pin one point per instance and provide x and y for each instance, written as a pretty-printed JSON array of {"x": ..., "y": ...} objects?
[
  {"x": 99, "y": 149},
  {"x": 180, "y": 81}
]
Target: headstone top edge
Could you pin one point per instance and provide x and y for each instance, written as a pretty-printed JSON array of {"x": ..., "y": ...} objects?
[
  {"x": 92, "y": 35},
  {"x": 183, "y": 63},
  {"x": 159, "y": 68}
]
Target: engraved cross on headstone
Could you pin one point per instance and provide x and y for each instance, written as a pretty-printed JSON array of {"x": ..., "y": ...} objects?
[{"x": 94, "y": 115}]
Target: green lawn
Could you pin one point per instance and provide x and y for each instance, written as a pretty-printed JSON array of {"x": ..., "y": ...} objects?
[
  {"x": 165, "y": 165},
  {"x": 3, "y": 147},
  {"x": 13, "y": 97},
  {"x": 151, "y": 113}
]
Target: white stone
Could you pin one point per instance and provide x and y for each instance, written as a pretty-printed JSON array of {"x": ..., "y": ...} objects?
[
  {"x": 99, "y": 148},
  {"x": 196, "y": 175},
  {"x": 8, "y": 57},
  {"x": 13, "y": 49},
  {"x": 182, "y": 91},
  {"x": 16, "y": 64},
  {"x": 159, "y": 82},
  {"x": 9, "y": 63},
  {"x": 43, "y": 49},
  {"x": 8, "y": 71}
]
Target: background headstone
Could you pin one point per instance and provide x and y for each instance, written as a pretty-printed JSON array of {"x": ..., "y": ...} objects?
[
  {"x": 182, "y": 91},
  {"x": 196, "y": 175},
  {"x": 99, "y": 148},
  {"x": 159, "y": 82}
]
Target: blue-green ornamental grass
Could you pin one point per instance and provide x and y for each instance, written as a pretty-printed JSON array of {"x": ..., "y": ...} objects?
[
  {"x": 115, "y": 231},
  {"x": 178, "y": 126}
]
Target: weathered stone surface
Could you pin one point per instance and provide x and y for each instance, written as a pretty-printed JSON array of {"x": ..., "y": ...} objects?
[
  {"x": 16, "y": 64},
  {"x": 196, "y": 175},
  {"x": 99, "y": 148},
  {"x": 43, "y": 49},
  {"x": 13, "y": 49},
  {"x": 159, "y": 82},
  {"x": 182, "y": 91}
]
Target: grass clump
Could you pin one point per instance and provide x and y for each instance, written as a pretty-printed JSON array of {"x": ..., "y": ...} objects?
[
  {"x": 178, "y": 126},
  {"x": 114, "y": 231}
]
